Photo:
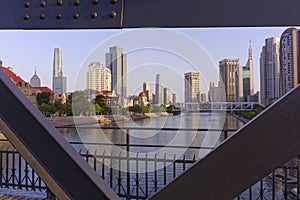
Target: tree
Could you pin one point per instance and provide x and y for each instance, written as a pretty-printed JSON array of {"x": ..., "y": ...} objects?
[
  {"x": 80, "y": 103},
  {"x": 98, "y": 109},
  {"x": 60, "y": 107},
  {"x": 43, "y": 97},
  {"x": 100, "y": 100},
  {"x": 47, "y": 109}
]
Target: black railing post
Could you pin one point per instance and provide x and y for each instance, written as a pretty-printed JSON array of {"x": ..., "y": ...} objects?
[
  {"x": 155, "y": 173},
  {"x": 103, "y": 166},
  {"x": 285, "y": 182},
  {"x": 128, "y": 161},
  {"x": 111, "y": 170},
  {"x": 119, "y": 174},
  {"x": 137, "y": 175},
  {"x": 174, "y": 166},
  {"x": 165, "y": 170},
  {"x": 273, "y": 185},
  {"x": 146, "y": 175},
  {"x": 20, "y": 172}
]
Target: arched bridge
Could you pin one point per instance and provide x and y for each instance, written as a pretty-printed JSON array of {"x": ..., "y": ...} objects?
[{"x": 215, "y": 106}]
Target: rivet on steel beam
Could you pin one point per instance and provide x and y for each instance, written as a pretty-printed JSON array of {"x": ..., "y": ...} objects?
[
  {"x": 113, "y": 1},
  {"x": 113, "y": 14},
  {"x": 94, "y": 15},
  {"x": 77, "y": 2},
  {"x": 95, "y": 2},
  {"x": 59, "y": 16},
  {"x": 76, "y": 15},
  {"x": 26, "y": 17},
  {"x": 60, "y": 2},
  {"x": 27, "y": 4},
  {"x": 43, "y": 3},
  {"x": 42, "y": 16}
]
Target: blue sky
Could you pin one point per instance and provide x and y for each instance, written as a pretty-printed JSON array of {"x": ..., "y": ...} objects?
[{"x": 27, "y": 50}]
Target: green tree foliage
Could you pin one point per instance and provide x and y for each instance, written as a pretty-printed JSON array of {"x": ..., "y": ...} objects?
[
  {"x": 43, "y": 97},
  {"x": 47, "y": 109},
  {"x": 80, "y": 103}
]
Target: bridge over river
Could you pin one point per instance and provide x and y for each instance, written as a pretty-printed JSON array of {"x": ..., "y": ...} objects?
[{"x": 216, "y": 106}]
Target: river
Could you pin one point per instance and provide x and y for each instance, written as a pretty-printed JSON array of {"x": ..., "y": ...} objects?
[{"x": 163, "y": 138}]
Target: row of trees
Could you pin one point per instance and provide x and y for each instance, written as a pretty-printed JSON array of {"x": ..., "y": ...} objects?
[{"x": 78, "y": 104}]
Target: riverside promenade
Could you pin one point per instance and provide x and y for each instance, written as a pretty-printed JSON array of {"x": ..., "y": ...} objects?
[{"x": 102, "y": 119}]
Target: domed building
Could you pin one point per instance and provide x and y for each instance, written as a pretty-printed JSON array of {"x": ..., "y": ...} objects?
[
  {"x": 143, "y": 99},
  {"x": 35, "y": 81}
]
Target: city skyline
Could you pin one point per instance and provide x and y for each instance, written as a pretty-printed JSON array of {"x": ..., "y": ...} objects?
[{"x": 38, "y": 51}]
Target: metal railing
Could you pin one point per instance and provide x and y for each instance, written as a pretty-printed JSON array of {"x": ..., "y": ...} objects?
[{"x": 16, "y": 173}]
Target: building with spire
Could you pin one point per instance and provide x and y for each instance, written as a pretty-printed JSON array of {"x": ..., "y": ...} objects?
[
  {"x": 269, "y": 71},
  {"x": 116, "y": 61},
  {"x": 245, "y": 78},
  {"x": 35, "y": 81},
  {"x": 59, "y": 82}
]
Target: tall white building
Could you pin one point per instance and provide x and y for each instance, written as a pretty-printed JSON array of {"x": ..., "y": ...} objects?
[
  {"x": 191, "y": 86},
  {"x": 269, "y": 71},
  {"x": 158, "y": 90},
  {"x": 98, "y": 77},
  {"x": 116, "y": 61},
  {"x": 59, "y": 82},
  {"x": 289, "y": 59}
]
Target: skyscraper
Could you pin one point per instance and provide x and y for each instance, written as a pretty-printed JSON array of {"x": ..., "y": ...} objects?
[
  {"x": 59, "y": 82},
  {"x": 269, "y": 71},
  {"x": 228, "y": 68},
  {"x": 35, "y": 81},
  {"x": 174, "y": 98},
  {"x": 98, "y": 77},
  {"x": 289, "y": 60},
  {"x": 158, "y": 90},
  {"x": 167, "y": 95},
  {"x": 245, "y": 78},
  {"x": 116, "y": 61},
  {"x": 191, "y": 86},
  {"x": 147, "y": 90}
]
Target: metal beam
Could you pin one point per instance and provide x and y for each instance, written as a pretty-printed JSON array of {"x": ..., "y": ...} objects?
[
  {"x": 211, "y": 13},
  {"x": 16, "y": 14},
  {"x": 265, "y": 143},
  {"x": 44, "y": 148}
]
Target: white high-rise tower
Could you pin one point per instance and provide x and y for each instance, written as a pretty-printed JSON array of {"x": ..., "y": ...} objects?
[
  {"x": 59, "y": 82},
  {"x": 269, "y": 71}
]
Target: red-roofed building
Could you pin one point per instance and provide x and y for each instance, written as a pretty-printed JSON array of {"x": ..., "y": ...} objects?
[{"x": 24, "y": 86}]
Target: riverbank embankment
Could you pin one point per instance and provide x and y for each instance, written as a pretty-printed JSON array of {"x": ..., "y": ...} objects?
[{"x": 102, "y": 119}]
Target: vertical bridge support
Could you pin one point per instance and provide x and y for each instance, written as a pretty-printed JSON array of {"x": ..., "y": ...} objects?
[
  {"x": 44, "y": 148},
  {"x": 264, "y": 144}
]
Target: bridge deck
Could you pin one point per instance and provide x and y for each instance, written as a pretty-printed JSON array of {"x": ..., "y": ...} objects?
[{"x": 12, "y": 197}]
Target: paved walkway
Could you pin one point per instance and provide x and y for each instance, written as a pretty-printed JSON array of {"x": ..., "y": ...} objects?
[{"x": 10, "y": 197}]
